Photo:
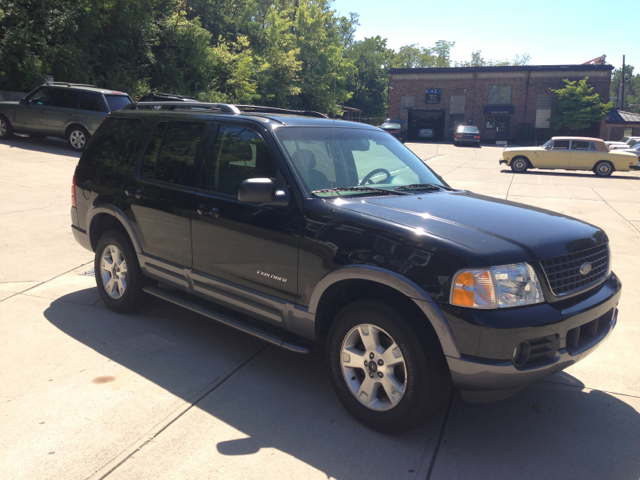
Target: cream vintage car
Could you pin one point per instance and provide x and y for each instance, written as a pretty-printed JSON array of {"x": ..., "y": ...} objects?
[{"x": 571, "y": 153}]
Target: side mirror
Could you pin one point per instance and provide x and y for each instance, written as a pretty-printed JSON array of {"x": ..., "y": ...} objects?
[
  {"x": 263, "y": 192},
  {"x": 23, "y": 101}
]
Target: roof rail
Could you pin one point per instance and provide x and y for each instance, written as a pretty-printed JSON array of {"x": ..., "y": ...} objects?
[
  {"x": 223, "y": 107},
  {"x": 69, "y": 84}
]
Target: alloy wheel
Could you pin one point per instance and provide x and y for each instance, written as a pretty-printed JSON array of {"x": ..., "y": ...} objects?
[
  {"x": 113, "y": 270},
  {"x": 77, "y": 139},
  {"x": 373, "y": 367}
]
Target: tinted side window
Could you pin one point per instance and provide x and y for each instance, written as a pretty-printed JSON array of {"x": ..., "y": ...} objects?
[
  {"x": 42, "y": 97},
  {"x": 176, "y": 159},
  {"x": 114, "y": 145},
  {"x": 91, "y": 101},
  {"x": 150, "y": 160},
  {"x": 239, "y": 153},
  {"x": 65, "y": 99},
  {"x": 117, "y": 102}
]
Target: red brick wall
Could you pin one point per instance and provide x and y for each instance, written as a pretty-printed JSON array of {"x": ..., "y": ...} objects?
[{"x": 526, "y": 85}]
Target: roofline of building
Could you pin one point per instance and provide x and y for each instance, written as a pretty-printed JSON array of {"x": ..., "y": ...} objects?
[{"x": 505, "y": 68}]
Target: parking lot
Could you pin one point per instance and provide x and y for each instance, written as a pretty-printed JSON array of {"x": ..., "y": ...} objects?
[{"x": 166, "y": 394}]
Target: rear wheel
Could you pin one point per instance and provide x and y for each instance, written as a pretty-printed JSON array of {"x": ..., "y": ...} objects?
[
  {"x": 78, "y": 137},
  {"x": 6, "y": 130},
  {"x": 388, "y": 375},
  {"x": 519, "y": 164},
  {"x": 603, "y": 168},
  {"x": 118, "y": 275}
]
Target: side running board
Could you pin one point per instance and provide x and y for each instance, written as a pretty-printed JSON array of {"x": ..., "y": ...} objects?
[{"x": 213, "y": 315}]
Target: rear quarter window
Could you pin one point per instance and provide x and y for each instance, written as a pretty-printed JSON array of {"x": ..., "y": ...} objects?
[
  {"x": 117, "y": 102},
  {"x": 114, "y": 145}
]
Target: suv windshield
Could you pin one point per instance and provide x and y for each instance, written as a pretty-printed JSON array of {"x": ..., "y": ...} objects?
[
  {"x": 338, "y": 158},
  {"x": 117, "y": 102}
]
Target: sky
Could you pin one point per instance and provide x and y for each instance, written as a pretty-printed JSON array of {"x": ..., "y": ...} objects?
[{"x": 556, "y": 32}]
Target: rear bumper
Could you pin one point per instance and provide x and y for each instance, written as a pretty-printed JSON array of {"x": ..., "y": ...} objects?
[
  {"x": 635, "y": 167},
  {"x": 81, "y": 237}
]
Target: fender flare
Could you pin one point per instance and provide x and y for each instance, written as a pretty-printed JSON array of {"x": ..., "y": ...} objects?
[
  {"x": 402, "y": 285},
  {"x": 121, "y": 217}
]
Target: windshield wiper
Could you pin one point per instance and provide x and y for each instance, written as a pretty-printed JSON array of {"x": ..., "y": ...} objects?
[
  {"x": 362, "y": 188},
  {"x": 424, "y": 186}
]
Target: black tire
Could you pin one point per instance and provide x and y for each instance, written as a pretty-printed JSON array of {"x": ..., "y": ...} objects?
[
  {"x": 455, "y": 144},
  {"x": 77, "y": 136},
  {"x": 603, "y": 168},
  {"x": 423, "y": 371},
  {"x": 6, "y": 130},
  {"x": 519, "y": 164},
  {"x": 129, "y": 296}
]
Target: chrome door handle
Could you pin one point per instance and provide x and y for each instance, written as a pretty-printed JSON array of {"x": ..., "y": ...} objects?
[
  {"x": 206, "y": 210},
  {"x": 132, "y": 192}
]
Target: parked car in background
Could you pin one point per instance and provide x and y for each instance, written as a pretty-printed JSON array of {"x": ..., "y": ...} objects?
[
  {"x": 67, "y": 110},
  {"x": 570, "y": 153},
  {"x": 467, "y": 134},
  {"x": 426, "y": 131},
  {"x": 394, "y": 120},
  {"x": 624, "y": 143},
  {"x": 635, "y": 149},
  {"x": 396, "y": 130}
]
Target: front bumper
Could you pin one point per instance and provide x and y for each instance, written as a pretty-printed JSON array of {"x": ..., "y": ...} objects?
[
  {"x": 506, "y": 162},
  {"x": 560, "y": 337}
]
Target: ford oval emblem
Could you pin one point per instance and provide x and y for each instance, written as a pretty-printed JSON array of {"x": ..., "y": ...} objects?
[{"x": 585, "y": 268}]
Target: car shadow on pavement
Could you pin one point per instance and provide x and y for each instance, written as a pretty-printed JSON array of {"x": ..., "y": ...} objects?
[
  {"x": 613, "y": 176},
  {"x": 50, "y": 145},
  {"x": 282, "y": 400}
]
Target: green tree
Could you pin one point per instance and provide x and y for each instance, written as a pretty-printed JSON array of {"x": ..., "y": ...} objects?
[
  {"x": 578, "y": 106},
  {"x": 632, "y": 89},
  {"x": 415, "y": 56},
  {"x": 478, "y": 61},
  {"x": 369, "y": 82}
]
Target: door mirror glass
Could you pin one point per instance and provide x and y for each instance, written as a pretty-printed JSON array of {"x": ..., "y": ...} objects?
[{"x": 262, "y": 191}]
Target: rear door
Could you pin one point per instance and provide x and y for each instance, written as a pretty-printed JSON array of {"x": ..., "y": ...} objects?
[
  {"x": 247, "y": 245},
  {"x": 583, "y": 155},
  {"x": 62, "y": 109},
  {"x": 159, "y": 197}
]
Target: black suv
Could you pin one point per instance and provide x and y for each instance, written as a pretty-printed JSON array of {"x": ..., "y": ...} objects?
[{"x": 302, "y": 230}]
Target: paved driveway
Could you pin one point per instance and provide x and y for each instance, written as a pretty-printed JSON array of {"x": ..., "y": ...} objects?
[{"x": 164, "y": 394}]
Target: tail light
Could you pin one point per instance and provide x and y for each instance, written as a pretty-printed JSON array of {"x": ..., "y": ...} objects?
[
  {"x": 73, "y": 193},
  {"x": 394, "y": 131},
  {"x": 458, "y": 136},
  {"x": 476, "y": 136}
]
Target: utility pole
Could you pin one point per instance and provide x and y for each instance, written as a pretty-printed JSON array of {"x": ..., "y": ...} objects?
[{"x": 622, "y": 96}]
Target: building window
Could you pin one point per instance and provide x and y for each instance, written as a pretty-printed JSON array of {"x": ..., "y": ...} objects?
[
  {"x": 500, "y": 95},
  {"x": 491, "y": 123},
  {"x": 628, "y": 132},
  {"x": 543, "y": 111},
  {"x": 457, "y": 104},
  {"x": 408, "y": 102}
]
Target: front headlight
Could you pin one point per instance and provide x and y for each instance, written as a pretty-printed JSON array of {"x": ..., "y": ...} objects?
[{"x": 496, "y": 287}]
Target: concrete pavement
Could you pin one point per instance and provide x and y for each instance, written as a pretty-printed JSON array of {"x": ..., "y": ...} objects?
[{"x": 87, "y": 393}]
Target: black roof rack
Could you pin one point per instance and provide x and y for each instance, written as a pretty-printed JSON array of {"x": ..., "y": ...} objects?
[
  {"x": 68, "y": 84},
  {"x": 222, "y": 107}
]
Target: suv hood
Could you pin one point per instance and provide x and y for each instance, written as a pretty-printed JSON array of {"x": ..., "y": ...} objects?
[{"x": 499, "y": 230}]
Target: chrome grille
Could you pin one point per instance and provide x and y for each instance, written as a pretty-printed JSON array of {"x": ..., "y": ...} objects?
[{"x": 563, "y": 272}]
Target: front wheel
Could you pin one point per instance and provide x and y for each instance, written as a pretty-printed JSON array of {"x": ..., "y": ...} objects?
[
  {"x": 519, "y": 165},
  {"x": 603, "y": 169},
  {"x": 6, "y": 130},
  {"x": 388, "y": 375},
  {"x": 118, "y": 275},
  {"x": 78, "y": 137}
]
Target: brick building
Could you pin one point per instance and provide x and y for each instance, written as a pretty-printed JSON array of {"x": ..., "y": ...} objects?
[{"x": 511, "y": 103}]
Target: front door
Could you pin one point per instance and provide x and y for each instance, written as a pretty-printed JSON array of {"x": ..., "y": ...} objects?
[
  {"x": 557, "y": 155},
  {"x": 244, "y": 244},
  {"x": 502, "y": 129},
  {"x": 32, "y": 116}
]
